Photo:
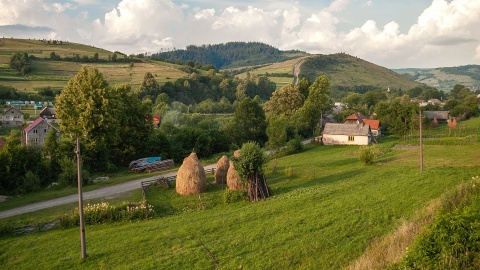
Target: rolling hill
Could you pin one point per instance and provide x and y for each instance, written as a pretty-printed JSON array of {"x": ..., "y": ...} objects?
[
  {"x": 345, "y": 73},
  {"x": 446, "y": 77},
  {"x": 55, "y": 74}
]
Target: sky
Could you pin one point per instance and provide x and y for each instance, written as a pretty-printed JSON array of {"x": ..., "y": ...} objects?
[{"x": 390, "y": 33}]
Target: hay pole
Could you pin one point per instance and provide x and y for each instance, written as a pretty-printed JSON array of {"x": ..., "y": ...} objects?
[{"x": 209, "y": 253}]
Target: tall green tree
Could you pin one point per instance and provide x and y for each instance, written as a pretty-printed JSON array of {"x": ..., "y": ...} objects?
[
  {"x": 285, "y": 101},
  {"x": 149, "y": 87},
  {"x": 89, "y": 109},
  {"x": 398, "y": 115},
  {"x": 277, "y": 131},
  {"x": 135, "y": 119},
  {"x": 248, "y": 123},
  {"x": 317, "y": 102}
]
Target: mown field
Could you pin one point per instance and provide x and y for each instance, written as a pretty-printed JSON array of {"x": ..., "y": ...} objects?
[
  {"x": 326, "y": 210},
  {"x": 285, "y": 67},
  {"x": 55, "y": 74}
]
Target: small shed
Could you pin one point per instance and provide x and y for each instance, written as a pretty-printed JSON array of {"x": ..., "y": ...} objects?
[{"x": 347, "y": 134}]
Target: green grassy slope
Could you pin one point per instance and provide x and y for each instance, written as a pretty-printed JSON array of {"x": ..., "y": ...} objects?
[
  {"x": 56, "y": 74},
  {"x": 327, "y": 208},
  {"x": 347, "y": 72}
]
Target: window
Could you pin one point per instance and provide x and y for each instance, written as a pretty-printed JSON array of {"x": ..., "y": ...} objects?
[
  {"x": 351, "y": 138},
  {"x": 45, "y": 130},
  {"x": 35, "y": 131}
]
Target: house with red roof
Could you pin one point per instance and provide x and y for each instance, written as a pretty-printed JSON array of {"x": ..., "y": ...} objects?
[
  {"x": 374, "y": 126},
  {"x": 356, "y": 118},
  {"x": 359, "y": 118},
  {"x": 36, "y": 132}
]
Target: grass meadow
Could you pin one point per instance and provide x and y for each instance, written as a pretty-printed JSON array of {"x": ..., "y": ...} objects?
[
  {"x": 55, "y": 74},
  {"x": 326, "y": 210}
]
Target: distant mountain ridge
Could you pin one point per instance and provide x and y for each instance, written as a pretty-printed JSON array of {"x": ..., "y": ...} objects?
[
  {"x": 445, "y": 78},
  {"x": 230, "y": 55}
]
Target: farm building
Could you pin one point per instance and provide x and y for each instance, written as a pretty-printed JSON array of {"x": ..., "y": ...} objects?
[
  {"x": 36, "y": 132},
  {"x": 441, "y": 116},
  {"x": 356, "y": 118},
  {"x": 12, "y": 117},
  {"x": 359, "y": 118},
  {"x": 347, "y": 134},
  {"x": 49, "y": 115}
]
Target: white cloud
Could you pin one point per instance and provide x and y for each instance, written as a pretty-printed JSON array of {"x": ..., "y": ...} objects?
[
  {"x": 204, "y": 14},
  {"x": 59, "y": 7},
  {"x": 338, "y": 5},
  {"x": 477, "y": 53}
]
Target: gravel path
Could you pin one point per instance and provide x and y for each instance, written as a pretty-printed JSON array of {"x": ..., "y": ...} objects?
[{"x": 105, "y": 192}]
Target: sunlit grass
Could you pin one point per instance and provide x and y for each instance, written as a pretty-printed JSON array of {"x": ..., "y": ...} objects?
[{"x": 322, "y": 215}]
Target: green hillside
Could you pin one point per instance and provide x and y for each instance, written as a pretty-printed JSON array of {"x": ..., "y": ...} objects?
[
  {"x": 56, "y": 73},
  {"x": 445, "y": 78},
  {"x": 345, "y": 73},
  {"x": 348, "y": 73},
  {"x": 326, "y": 210}
]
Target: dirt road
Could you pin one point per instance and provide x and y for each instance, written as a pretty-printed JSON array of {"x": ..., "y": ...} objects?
[{"x": 105, "y": 192}]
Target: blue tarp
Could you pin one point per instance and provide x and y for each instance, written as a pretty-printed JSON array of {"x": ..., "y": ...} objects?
[{"x": 153, "y": 159}]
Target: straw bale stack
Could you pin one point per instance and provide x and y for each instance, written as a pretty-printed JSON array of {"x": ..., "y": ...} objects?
[
  {"x": 233, "y": 180},
  {"x": 221, "y": 171},
  {"x": 191, "y": 177}
]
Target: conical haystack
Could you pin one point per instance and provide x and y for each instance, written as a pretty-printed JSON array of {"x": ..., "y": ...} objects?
[
  {"x": 221, "y": 171},
  {"x": 233, "y": 181},
  {"x": 191, "y": 177}
]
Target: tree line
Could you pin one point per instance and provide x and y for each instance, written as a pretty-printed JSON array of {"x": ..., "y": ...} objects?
[{"x": 226, "y": 55}]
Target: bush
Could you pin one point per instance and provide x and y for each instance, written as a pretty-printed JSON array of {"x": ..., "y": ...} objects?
[
  {"x": 294, "y": 146},
  {"x": 232, "y": 196},
  {"x": 367, "y": 154},
  {"x": 452, "y": 241},
  {"x": 106, "y": 213}
]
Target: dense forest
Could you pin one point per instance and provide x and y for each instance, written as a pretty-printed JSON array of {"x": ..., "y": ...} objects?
[{"x": 228, "y": 55}]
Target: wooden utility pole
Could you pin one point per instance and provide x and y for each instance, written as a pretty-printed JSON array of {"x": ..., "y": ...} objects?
[
  {"x": 421, "y": 143},
  {"x": 80, "y": 202}
]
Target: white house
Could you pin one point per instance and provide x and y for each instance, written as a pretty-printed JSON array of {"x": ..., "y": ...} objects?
[{"x": 346, "y": 134}]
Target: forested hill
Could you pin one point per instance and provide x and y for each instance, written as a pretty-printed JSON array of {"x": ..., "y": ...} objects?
[{"x": 229, "y": 55}]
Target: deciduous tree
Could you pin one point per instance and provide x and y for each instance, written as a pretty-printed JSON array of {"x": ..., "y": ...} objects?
[
  {"x": 248, "y": 123},
  {"x": 89, "y": 109}
]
